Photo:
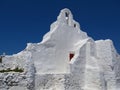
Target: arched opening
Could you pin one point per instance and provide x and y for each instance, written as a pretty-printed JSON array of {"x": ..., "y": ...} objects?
[
  {"x": 66, "y": 14},
  {"x": 67, "y": 17},
  {"x": 74, "y": 25}
]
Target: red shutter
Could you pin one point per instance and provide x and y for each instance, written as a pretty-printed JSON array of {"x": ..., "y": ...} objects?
[{"x": 71, "y": 55}]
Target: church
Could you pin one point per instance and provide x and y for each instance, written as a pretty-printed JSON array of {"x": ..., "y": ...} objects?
[{"x": 66, "y": 59}]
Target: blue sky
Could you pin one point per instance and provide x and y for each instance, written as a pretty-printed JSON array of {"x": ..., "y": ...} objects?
[{"x": 23, "y": 21}]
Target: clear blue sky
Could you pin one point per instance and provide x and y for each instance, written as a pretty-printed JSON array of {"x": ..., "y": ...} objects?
[{"x": 23, "y": 21}]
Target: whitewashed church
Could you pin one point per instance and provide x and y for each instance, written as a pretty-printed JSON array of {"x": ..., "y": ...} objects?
[{"x": 66, "y": 59}]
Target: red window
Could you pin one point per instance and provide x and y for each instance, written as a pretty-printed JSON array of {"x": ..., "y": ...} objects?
[{"x": 71, "y": 55}]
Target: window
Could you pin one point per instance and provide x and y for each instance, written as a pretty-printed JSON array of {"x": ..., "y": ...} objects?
[
  {"x": 1, "y": 59},
  {"x": 71, "y": 55}
]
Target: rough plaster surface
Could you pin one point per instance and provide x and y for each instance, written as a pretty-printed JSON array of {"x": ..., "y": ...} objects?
[{"x": 46, "y": 65}]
